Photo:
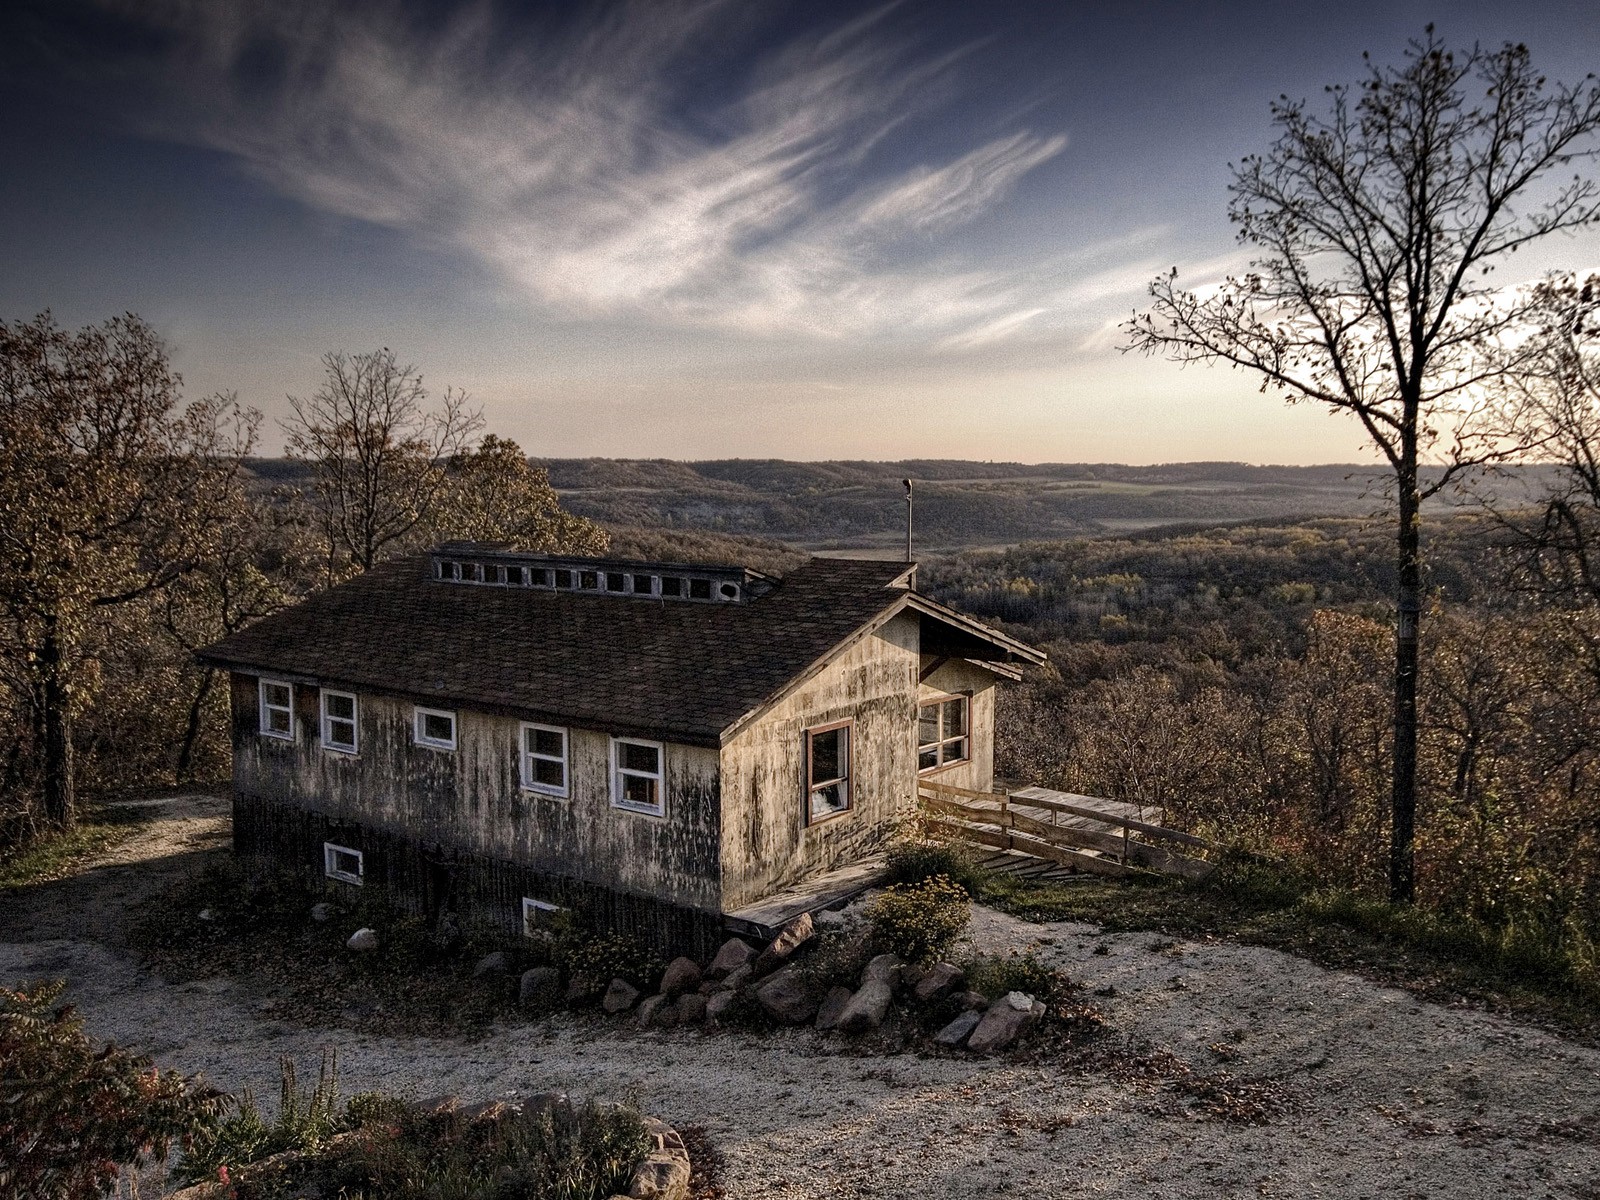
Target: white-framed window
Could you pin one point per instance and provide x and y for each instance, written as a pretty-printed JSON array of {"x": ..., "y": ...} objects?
[
  {"x": 828, "y": 770},
  {"x": 434, "y": 728},
  {"x": 341, "y": 863},
  {"x": 636, "y": 776},
  {"x": 538, "y": 917},
  {"x": 943, "y": 732},
  {"x": 544, "y": 759},
  {"x": 339, "y": 721},
  {"x": 277, "y": 709}
]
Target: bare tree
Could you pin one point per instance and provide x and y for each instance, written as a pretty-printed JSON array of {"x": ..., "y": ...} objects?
[
  {"x": 379, "y": 454},
  {"x": 110, "y": 490},
  {"x": 1376, "y": 224}
]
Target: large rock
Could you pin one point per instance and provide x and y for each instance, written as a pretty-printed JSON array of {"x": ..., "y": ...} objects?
[
  {"x": 689, "y": 1008},
  {"x": 363, "y": 939},
  {"x": 885, "y": 969},
  {"x": 663, "y": 1175},
  {"x": 735, "y": 953},
  {"x": 788, "y": 997},
  {"x": 620, "y": 996},
  {"x": 721, "y": 1006},
  {"x": 939, "y": 981},
  {"x": 736, "y": 979},
  {"x": 958, "y": 1030},
  {"x": 973, "y": 1000},
  {"x": 491, "y": 964},
  {"x": 790, "y": 938},
  {"x": 832, "y": 1009},
  {"x": 650, "y": 1010},
  {"x": 540, "y": 987},
  {"x": 866, "y": 1008},
  {"x": 1003, "y": 1022},
  {"x": 682, "y": 975}
]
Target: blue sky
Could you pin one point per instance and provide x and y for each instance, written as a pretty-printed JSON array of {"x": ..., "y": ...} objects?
[{"x": 799, "y": 230}]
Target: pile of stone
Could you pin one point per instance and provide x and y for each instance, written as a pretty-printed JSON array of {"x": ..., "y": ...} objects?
[{"x": 742, "y": 978}]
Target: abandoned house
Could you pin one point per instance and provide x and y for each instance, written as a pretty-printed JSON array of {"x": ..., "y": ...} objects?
[{"x": 653, "y": 746}]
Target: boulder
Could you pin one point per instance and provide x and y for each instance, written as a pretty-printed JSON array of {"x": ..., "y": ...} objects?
[
  {"x": 321, "y": 911},
  {"x": 787, "y": 997},
  {"x": 682, "y": 975},
  {"x": 958, "y": 1030},
  {"x": 619, "y": 997},
  {"x": 1003, "y": 1022},
  {"x": 720, "y": 1007},
  {"x": 540, "y": 987},
  {"x": 833, "y": 1007},
  {"x": 491, "y": 964},
  {"x": 971, "y": 1000},
  {"x": 790, "y": 938},
  {"x": 734, "y": 980},
  {"x": 650, "y": 1010},
  {"x": 735, "y": 953},
  {"x": 689, "y": 1008},
  {"x": 867, "y": 1008},
  {"x": 363, "y": 939},
  {"x": 940, "y": 980},
  {"x": 885, "y": 969},
  {"x": 663, "y": 1175}
]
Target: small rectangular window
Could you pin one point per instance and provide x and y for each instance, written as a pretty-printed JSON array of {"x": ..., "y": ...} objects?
[
  {"x": 699, "y": 589},
  {"x": 435, "y": 728},
  {"x": 827, "y": 771},
  {"x": 616, "y": 581},
  {"x": 589, "y": 581},
  {"x": 672, "y": 585},
  {"x": 943, "y": 737},
  {"x": 475, "y": 572},
  {"x": 339, "y": 721},
  {"x": 342, "y": 863},
  {"x": 564, "y": 579},
  {"x": 539, "y": 918},
  {"x": 636, "y": 776},
  {"x": 277, "y": 709},
  {"x": 544, "y": 759},
  {"x": 538, "y": 577},
  {"x": 644, "y": 585},
  {"x": 494, "y": 574}
]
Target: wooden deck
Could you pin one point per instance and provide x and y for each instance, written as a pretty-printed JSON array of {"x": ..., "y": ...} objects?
[{"x": 837, "y": 888}]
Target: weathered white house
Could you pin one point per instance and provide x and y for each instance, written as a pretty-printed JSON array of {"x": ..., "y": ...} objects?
[{"x": 654, "y": 746}]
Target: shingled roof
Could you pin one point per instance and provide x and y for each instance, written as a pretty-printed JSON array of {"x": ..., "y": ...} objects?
[{"x": 676, "y": 671}]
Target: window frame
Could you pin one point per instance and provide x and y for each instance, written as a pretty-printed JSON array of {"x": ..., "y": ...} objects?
[
  {"x": 354, "y": 720},
  {"x": 330, "y": 853},
  {"x": 848, "y": 778},
  {"x": 532, "y": 905},
  {"x": 262, "y": 708},
  {"x": 942, "y": 741},
  {"x": 419, "y": 738},
  {"x": 524, "y": 756},
  {"x": 659, "y": 810}
]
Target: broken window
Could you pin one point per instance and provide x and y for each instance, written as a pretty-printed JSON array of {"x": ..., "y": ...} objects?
[
  {"x": 827, "y": 771},
  {"x": 544, "y": 759},
  {"x": 636, "y": 776},
  {"x": 943, "y": 736},
  {"x": 277, "y": 709}
]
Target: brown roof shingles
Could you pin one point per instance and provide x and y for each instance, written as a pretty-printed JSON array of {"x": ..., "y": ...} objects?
[{"x": 676, "y": 670}]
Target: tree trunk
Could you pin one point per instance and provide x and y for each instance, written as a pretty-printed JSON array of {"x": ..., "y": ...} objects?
[
  {"x": 191, "y": 729},
  {"x": 1402, "y": 880},
  {"x": 60, "y": 800}
]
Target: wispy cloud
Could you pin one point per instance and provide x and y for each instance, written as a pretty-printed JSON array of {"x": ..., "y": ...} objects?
[{"x": 582, "y": 166}]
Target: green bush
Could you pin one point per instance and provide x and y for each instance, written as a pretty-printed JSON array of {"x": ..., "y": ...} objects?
[
  {"x": 920, "y": 921},
  {"x": 914, "y": 861},
  {"x": 71, "y": 1112},
  {"x": 607, "y": 956},
  {"x": 995, "y": 976},
  {"x": 305, "y": 1120}
]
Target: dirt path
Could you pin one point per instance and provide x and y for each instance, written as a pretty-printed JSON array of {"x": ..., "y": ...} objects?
[{"x": 1395, "y": 1098}]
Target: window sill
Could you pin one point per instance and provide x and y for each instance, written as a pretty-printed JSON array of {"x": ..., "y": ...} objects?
[
  {"x": 551, "y": 793},
  {"x": 942, "y": 767},
  {"x": 825, "y": 818},
  {"x": 436, "y": 747},
  {"x": 277, "y": 737},
  {"x": 639, "y": 809},
  {"x": 342, "y": 751}
]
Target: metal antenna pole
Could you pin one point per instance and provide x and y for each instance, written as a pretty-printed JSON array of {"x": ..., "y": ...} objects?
[{"x": 907, "y": 482}]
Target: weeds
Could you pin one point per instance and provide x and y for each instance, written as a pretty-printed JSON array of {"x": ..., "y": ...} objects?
[{"x": 56, "y": 854}]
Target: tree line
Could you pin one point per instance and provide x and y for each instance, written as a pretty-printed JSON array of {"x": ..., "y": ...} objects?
[{"x": 132, "y": 532}]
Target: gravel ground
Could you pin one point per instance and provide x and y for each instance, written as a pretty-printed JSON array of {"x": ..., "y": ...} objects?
[{"x": 1391, "y": 1097}]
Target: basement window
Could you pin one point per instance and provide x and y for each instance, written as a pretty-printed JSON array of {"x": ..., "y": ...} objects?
[
  {"x": 943, "y": 733},
  {"x": 277, "y": 709},
  {"x": 342, "y": 863},
  {"x": 636, "y": 776},
  {"x": 435, "y": 728},
  {"x": 338, "y": 721},
  {"x": 539, "y": 918},
  {"x": 828, "y": 771},
  {"x": 544, "y": 759}
]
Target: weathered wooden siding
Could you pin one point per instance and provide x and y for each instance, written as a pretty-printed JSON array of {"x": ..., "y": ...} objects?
[
  {"x": 766, "y": 843},
  {"x": 470, "y": 800},
  {"x": 953, "y": 677}
]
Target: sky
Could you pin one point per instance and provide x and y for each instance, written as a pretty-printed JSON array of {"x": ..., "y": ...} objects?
[{"x": 726, "y": 228}]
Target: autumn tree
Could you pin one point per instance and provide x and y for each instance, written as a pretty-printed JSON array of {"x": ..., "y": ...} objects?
[
  {"x": 496, "y": 495},
  {"x": 110, "y": 490},
  {"x": 378, "y": 451},
  {"x": 1375, "y": 223}
]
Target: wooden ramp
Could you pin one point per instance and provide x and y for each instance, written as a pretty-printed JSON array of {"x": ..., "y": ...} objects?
[
  {"x": 837, "y": 888},
  {"x": 1079, "y": 833}
]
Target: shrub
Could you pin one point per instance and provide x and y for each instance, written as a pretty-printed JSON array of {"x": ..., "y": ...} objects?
[
  {"x": 305, "y": 1120},
  {"x": 994, "y": 977},
  {"x": 602, "y": 957},
  {"x": 71, "y": 1113},
  {"x": 920, "y": 921},
  {"x": 914, "y": 861}
]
